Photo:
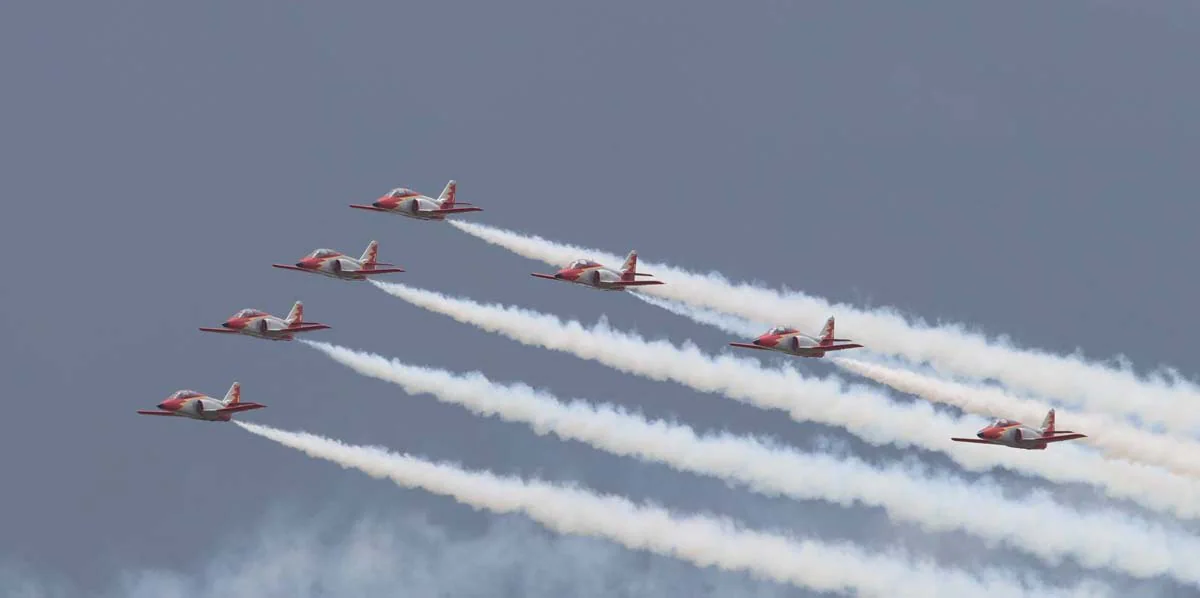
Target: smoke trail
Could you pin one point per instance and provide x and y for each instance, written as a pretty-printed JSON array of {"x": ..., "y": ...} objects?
[
  {"x": 1161, "y": 398},
  {"x": 703, "y": 541},
  {"x": 1109, "y": 540},
  {"x": 1114, "y": 437},
  {"x": 402, "y": 556},
  {"x": 860, "y": 410},
  {"x": 741, "y": 327}
]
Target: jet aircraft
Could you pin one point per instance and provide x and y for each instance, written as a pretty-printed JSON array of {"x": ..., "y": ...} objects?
[
  {"x": 333, "y": 264},
  {"x": 260, "y": 324},
  {"x": 793, "y": 342},
  {"x": 592, "y": 274},
  {"x": 193, "y": 405},
  {"x": 406, "y": 202},
  {"x": 1014, "y": 434}
]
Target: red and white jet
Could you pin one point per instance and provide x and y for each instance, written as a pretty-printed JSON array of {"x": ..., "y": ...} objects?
[
  {"x": 589, "y": 273},
  {"x": 1013, "y": 434},
  {"x": 193, "y": 405},
  {"x": 333, "y": 264},
  {"x": 260, "y": 324},
  {"x": 406, "y": 202},
  {"x": 793, "y": 342}
]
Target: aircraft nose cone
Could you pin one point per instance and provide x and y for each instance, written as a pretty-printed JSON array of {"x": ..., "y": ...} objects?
[
  {"x": 378, "y": 204},
  {"x": 981, "y": 435},
  {"x": 226, "y": 324},
  {"x": 163, "y": 405}
]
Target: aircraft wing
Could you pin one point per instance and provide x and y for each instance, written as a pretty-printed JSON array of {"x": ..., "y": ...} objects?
[
  {"x": 221, "y": 330},
  {"x": 152, "y": 412},
  {"x": 287, "y": 267},
  {"x": 973, "y": 440},
  {"x": 1063, "y": 437},
  {"x": 546, "y": 276},
  {"x": 372, "y": 208},
  {"x": 749, "y": 346}
]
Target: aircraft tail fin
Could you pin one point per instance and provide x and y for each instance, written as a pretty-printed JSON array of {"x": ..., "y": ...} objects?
[
  {"x": 372, "y": 252},
  {"x": 629, "y": 267},
  {"x": 1048, "y": 424},
  {"x": 827, "y": 332},
  {"x": 296, "y": 316},
  {"x": 234, "y": 396},
  {"x": 446, "y": 199}
]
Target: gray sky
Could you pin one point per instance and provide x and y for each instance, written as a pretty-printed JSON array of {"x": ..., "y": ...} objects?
[{"x": 1026, "y": 167}]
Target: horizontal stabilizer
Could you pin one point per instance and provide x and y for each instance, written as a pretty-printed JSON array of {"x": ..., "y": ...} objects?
[
  {"x": 453, "y": 210},
  {"x": 220, "y": 330},
  {"x": 636, "y": 283},
  {"x": 151, "y": 412},
  {"x": 240, "y": 407},
  {"x": 378, "y": 271},
  {"x": 641, "y": 274},
  {"x": 748, "y": 346},
  {"x": 973, "y": 440},
  {"x": 1063, "y": 437},
  {"x": 838, "y": 347},
  {"x": 307, "y": 327}
]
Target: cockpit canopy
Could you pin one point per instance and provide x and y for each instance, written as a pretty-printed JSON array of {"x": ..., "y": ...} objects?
[
  {"x": 323, "y": 253},
  {"x": 184, "y": 394},
  {"x": 1003, "y": 423},
  {"x": 249, "y": 313},
  {"x": 780, "y": 330},
  {"x": 581, "y": 263},
  {"x": 401, "y": 192}
]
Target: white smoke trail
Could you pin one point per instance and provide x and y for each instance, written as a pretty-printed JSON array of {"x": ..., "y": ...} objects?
[
  {"x": 741, "y": 327},
  {"x": 406, "y": 556},
  {"x": 1099, "y": 540},
  {"x": 1161, "y": 398},
  {"x": 1115, "y": 437},
  {"x": 703, "y": 541},
  {"x": 862, "y": 411}
]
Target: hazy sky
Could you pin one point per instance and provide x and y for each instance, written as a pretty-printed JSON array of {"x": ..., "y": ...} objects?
[{"x": 1027, "y": 167}]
